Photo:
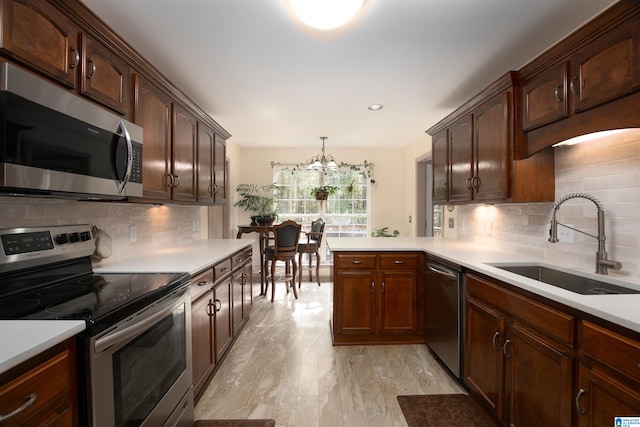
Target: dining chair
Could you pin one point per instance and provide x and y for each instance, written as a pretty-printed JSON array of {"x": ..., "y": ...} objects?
[
  {"x": 284, "y": 248},
  {"x": 311, "y": 245}
]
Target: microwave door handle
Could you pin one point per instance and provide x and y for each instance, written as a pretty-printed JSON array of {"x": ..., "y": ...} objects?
[{"x": 123, "y": 132}]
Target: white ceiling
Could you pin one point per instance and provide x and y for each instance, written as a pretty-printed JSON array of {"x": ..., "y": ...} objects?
[{"x": 270, "y": 84}]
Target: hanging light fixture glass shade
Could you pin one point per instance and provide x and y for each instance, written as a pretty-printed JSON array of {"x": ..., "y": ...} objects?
[{"x": 322, "y": 162}]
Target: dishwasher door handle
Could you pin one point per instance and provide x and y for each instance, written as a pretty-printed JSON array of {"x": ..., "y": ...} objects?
[{"x": 452, "y": 275}]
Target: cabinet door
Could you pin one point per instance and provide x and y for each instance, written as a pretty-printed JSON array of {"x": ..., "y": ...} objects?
[
  {"x": 440, "y": 159},
  {"x": 607, "y": 68},
  {"x": 105, "y": 76},
  {"x": 237, "y": 299},
  {"x": 354, "y": 301},
  {"x": 220, "y": 170},
  {"x": 247, "y": 288},
  {"x": 544, "y": 99},
  {"x": 223, "y": 325},
  {"x": 492, "y": 135},
  {"x": 461, "y": 148},
  {"x": 52, "y": 49},
  {"x": 539, "y": 381},
  {"x": 484, "y": 362},
  {"x": 398, "y": 302},
  {"x": 206, "y": 143},
  {"x": 600, "y": 399},
  {"x": 153, "y": 112},
  {"x": 184, "y": 154},
  {"x": 202, "y": 340}
]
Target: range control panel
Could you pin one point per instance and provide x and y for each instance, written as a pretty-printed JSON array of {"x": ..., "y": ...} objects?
[{"x": 33, "y": 246}]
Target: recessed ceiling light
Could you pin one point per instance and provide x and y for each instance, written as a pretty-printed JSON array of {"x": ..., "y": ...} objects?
[{"x": 376, "y": 107}]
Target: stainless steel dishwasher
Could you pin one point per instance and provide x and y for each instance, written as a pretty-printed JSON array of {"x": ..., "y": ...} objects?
[{"x": 444, "y": 323}]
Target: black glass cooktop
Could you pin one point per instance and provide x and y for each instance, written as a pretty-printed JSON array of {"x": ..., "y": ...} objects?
[{"x": 95, "y": 298}]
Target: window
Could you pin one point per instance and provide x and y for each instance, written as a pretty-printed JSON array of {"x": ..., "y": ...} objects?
[{"x": 346, "y": 213}]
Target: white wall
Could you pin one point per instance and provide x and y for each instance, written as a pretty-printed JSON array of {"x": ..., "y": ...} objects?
[
  {"x": 608, "y": 169},
  {"x": 253, "y": 165}
]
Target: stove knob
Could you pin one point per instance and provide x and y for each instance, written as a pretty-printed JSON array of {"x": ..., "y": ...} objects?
[
  {"x": 74, "y": 237},
  {"x": 61, "y": 239},
  {"x": 85, "y": 235}
]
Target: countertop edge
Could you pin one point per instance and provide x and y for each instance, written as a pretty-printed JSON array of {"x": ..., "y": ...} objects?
[{"x": 23, "y": 339}]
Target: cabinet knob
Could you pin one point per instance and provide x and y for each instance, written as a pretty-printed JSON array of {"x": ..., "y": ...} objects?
[
  {"x": 373, "y": 287},
  {"x": 30, "y": 399},
  {"x": 203, "y": 283},
  {"x": 356, "y": 261},
  {"x": 92, "y": 69},
  {"x": 559, "y": 93},
  {"x": 75, "y": 57}
]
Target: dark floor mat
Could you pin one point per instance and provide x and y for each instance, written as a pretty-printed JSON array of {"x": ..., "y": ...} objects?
[{"x": 439, "y": 410}]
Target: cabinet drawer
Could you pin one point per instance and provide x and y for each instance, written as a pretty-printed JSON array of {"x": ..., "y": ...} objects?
[
  {"x": 201, "y": 284},
  {"x": 354, "y": 260},
  {"x": 221, "y": 269},
  {"x": 399, "y": 260},
  {"x": 547, "y": 320},
  {"x": 618, "y": 352},
  {"x": 46, "y": 382},
  {"x": 237, "y": 259}
]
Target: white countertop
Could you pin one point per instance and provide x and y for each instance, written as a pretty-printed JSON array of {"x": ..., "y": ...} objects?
[
  {"x": 20, "y": 340},
  {"x": 623, "y": 310},
  {"x": 190, "y": 258}
]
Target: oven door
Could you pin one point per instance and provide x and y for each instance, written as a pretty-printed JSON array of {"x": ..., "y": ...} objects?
[{"x": 140, "y": 369}]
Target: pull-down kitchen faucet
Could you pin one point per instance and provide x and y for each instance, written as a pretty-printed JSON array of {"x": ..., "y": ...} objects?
[{"x": 602, "y": 262}]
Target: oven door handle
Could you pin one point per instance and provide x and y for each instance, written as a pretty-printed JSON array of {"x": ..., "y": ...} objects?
[{"x": 137, "y": 327}]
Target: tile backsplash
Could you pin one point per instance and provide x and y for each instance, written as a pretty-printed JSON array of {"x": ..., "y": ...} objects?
[
  {"x": 608, "y": 169},
  {"x": 154, "y": 225}
]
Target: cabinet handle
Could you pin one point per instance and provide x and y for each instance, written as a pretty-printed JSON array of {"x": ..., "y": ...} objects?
[
  {"x": 167, "y": 177},
  {"x": 398, "y": 261},
  {"x": 210, "y": 312},
  {"x": 574, "y": 85},
  {"x": 382, "y": 287},
  {"x": 373, "y": 287},
  {"x": 30, "y": 399},
  {"x": 467, "y": 183},
  {"x": 215, "y": 189},
  {"x": 445, "y": 187},
  {"x": 559, "y": 94},
  {"x": 203, "y": 283},
  {"x": 581, "y": 393},
  {"x": 92, "y": 69},
  {"x": 496, "y": 336},
  {"x": 218, "y": 305},
  {"x": 475, "y": 182},
  {"x": 505, "y": 350},
  {"x": 356, "y": 261},
  {"x": 75, "y": 58},
  {"x": 177, "y": 181}
]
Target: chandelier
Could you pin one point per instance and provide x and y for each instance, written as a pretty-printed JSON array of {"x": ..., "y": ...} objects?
[{"x": 322, "y": 162}]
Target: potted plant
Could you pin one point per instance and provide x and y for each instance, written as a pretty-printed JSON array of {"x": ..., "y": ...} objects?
[
  {"x": 384, "y": 232},
  {"x": 324, "y": 191},
  {"x": 258, "y": 199}
]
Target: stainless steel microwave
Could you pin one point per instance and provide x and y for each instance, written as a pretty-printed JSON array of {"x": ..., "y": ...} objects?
[{"x": 57, "y": 144}]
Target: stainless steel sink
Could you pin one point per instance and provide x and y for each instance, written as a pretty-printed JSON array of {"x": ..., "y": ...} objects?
[{"x": 571, "y": 282}]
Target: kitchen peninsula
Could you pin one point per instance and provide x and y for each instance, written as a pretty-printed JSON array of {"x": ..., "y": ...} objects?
[{"x": 562, "y": 353}]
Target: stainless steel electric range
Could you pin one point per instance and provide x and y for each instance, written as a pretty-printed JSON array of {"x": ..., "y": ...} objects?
[{"x": 134, "y": 364}]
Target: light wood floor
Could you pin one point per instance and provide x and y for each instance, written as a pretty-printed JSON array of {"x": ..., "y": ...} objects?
[{"x": 284, "y": 367}]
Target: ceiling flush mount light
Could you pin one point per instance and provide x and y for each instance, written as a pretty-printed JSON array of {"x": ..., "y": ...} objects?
[
  {"x": 321, "y": 162},
  {"x": 326, "y": 14},
  {"x": 375, "y": 107}
]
